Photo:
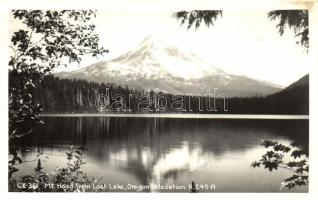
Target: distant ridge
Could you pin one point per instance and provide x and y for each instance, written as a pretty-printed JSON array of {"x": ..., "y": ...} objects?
[
  {"x": 299, "y": 89},
  {"x": 295, "y": 97},
  {"x": 292, "y": 100}
]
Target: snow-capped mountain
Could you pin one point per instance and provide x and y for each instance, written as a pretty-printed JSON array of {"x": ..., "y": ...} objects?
[{"x": 161, "y": 66}]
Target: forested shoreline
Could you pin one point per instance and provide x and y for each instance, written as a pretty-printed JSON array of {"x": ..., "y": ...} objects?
[{"x": 80, "y": 96}]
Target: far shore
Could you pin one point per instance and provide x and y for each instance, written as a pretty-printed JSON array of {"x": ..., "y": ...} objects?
[{"x": 179, "y": 115}]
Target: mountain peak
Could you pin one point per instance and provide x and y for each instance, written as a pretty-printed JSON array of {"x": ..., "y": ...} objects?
[
  {"x": 158, "y": 43},
  {"x": 157, "y": 40},
  {"x": 152, "y": 39},
  {"x": 156, "y": 64},
  {"x": 156, "y": 55}
]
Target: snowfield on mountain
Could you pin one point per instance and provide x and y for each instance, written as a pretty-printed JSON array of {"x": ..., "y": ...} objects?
[{"x": 158, "y": 65}]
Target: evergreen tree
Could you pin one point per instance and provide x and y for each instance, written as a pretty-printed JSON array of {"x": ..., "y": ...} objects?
[{"x": 294, "y": 19}]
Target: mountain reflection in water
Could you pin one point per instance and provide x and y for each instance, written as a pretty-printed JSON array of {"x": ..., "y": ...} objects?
[{"x": 165, "y": 150}]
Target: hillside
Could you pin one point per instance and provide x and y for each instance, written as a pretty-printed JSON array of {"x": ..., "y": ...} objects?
[{"x": 294, "y": 98}]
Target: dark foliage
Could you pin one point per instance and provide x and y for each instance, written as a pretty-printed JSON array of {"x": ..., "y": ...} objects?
[
  {"x": 196, "y": 17},
  {"x": 280, "y": 157},
  {"x": 71, "y": 175},
  {"x": 293, "y": 19},
  {"x": 297, "y": 20},
  {"x": 79, "y": 96},
  {"x": 45, "y": 40}
]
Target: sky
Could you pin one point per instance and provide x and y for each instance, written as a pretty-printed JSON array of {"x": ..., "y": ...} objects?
[{"x": 242, "y": 42}]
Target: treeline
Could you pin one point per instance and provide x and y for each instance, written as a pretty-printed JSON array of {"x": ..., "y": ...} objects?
[
  {"x": 80, "y": 96},
  {"x": 292, "y": 100}
]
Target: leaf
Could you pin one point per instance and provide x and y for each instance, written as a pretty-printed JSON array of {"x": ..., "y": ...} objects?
[
  {"x": 270, "y": 165},
  {"x": 292, "y": 164},
  {"x": 268, "y": 143},
  {"x": 270, "y": 154},
  {"x": 256, "y": 164},
  {"x": 280, "y": 147},
  {"x": 297, "y": 153}
]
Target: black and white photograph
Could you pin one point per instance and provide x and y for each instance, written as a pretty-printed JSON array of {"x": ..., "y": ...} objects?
[{"x": 158, "y": 100}]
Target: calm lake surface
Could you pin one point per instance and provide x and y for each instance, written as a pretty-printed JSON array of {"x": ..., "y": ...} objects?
[{"x": 124, "y": 150}]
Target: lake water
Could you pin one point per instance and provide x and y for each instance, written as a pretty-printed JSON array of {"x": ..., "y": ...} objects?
[{"x": 215, "y": 153}]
